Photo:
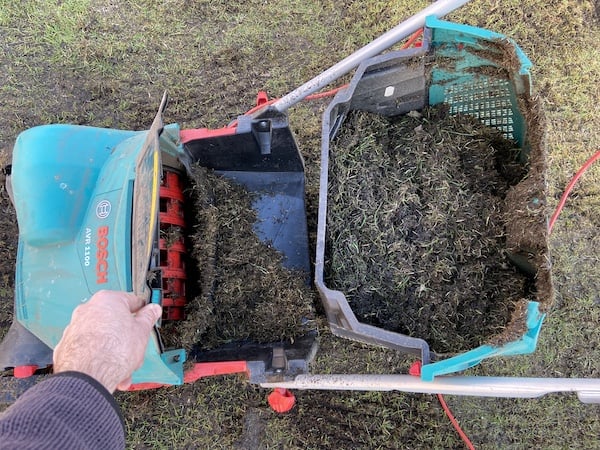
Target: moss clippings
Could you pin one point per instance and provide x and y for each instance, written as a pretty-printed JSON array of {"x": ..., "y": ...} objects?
[
  {"x": 242, "y": 292},
  {"x": 417, "y": 227}
]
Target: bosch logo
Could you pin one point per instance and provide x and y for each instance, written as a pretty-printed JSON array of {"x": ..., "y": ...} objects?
[
  {"x": 103, "y": 209},
  {"x": 102, "y": 256}
]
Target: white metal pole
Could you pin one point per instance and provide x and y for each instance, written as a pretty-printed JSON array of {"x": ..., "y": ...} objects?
[
  {"x": 385, "y": 41},
  {"x": 587, "y": 389}
]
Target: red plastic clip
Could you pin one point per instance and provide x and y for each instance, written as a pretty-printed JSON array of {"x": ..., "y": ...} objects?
[
  {"x": 281, "y": 400},
  {"x": 24, "y": 371},
  {"x": 261, "y": 98},
  {"x": 415, "y": 369},
  {"x": 209, "y": 369}
]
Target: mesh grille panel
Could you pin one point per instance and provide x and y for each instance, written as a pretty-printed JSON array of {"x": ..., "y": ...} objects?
[{"x": 489, "y": 100}]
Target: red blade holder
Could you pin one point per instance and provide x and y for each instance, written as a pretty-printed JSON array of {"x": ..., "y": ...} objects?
[{"x": 172, "y": 246}]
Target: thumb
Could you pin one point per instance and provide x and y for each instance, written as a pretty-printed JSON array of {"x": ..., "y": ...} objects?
[
  {"x": 148, "y": 315},
  {"x": 125, "y": 384}
]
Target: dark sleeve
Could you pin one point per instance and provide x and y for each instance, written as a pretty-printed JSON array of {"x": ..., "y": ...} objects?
[{"x": 69, "y": 410}]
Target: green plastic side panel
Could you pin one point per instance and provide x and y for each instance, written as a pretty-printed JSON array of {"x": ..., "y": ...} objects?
[
  {"x": 55, "y": 170},
  {"x": 463, "y": 75},
  {"x": 71, "y": 190},
  {"x": 525, "y": 345},
  {"x": 73, "y": 196}
]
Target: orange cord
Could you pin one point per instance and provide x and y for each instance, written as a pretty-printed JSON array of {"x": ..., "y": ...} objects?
[
  {"x": 412, "y": 39},
  {"x": 330, "y": 93},
  {"x": 415, "y": 370},
  {"x": 454, "y": 422},
  {"x": 569, "y": 188}
]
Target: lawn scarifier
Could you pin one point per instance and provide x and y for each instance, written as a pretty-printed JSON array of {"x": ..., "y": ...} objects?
[{"x": 108, "y": 204}]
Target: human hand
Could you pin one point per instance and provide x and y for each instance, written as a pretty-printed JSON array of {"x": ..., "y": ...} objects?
[{"x": 107, "y": 338}]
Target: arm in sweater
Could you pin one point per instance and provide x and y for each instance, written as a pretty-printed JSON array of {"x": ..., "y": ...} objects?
[
  {"x": 99, "y": 350},
  {"x": 69, "y": 410}
]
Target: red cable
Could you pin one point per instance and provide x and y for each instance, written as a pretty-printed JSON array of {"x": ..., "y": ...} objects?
[
  {"x": 569, "y": 188},
  {"x": 415, "y": 370},
  {"x": 257, "y": 107},
  {"x": 330, "y": 93},
  {"x": 454, "y": 422},
  {"x": 412, "y": 39}
]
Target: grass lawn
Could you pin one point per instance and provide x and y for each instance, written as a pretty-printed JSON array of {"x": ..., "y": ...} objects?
[{"x": 106, "y": 63}]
